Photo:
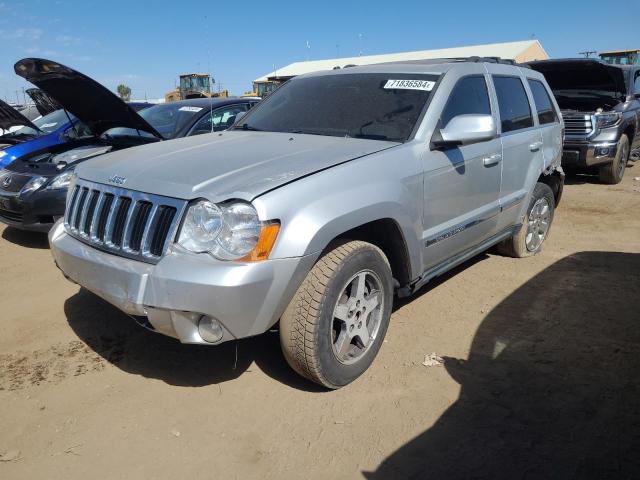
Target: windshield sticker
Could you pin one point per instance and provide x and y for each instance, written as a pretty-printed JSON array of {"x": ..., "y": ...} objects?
[
  {"x": 190, "y": 109},
  {"x": 425, "y": 85},
  {"x": 49, "y": 125}
]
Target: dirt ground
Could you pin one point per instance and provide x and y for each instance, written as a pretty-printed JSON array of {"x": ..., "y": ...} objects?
[{"x": 541, "y": 376}]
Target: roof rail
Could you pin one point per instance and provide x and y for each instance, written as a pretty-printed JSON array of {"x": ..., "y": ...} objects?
[
  {"x": 504, "y": 61},
  {"x": 475, "y": 59}
]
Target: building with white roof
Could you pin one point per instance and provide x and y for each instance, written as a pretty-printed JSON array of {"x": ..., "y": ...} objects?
[{"x": 522, "y": 51}]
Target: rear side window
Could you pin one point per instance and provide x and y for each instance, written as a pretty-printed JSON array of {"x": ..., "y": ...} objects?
[
  {"x": 515, "y": 111},
  {"x": 546, "y": 112},
  {"x": 469, "y": 96}
]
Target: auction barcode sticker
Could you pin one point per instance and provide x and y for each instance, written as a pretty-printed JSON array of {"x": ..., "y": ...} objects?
[
  {"x": 425, "y": 85},
  {"x": 190, "y": 109}
]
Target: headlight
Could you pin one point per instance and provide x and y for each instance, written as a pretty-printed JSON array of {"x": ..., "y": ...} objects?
[
  {"x": 228, "y": 232},
  {"x": 605, "y": 120},
  {"x": 61, "y": 181},
  {"x": 34, "y": 184}
]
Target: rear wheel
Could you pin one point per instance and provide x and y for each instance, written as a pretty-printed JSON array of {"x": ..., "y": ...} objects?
[
  {"x": 613, "y": 172},
  {"x": 535, "y": 229},
  {"x": 334, "y": 326}
]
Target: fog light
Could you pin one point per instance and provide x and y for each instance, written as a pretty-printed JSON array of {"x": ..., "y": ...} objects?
[
  {"x": 602, "y": 151},
  {"x": 210, "y": 329}
]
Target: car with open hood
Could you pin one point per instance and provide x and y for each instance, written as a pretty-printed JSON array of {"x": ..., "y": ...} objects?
[
  {"x": 315, "y": 209},
  {"x": 600, "y": 104},
  {"x": 44, "y": 129},
  {"x": 33, "y": 189}
]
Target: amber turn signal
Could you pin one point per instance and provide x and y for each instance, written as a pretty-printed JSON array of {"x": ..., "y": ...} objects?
[{"x": 268, "y": 235}]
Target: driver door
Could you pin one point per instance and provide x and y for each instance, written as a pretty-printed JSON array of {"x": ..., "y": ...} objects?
[{"x": 462, "y": 184}]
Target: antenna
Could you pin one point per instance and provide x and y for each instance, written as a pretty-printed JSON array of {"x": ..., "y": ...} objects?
[
  {"x": 588, "y": 53},
  {"x": 308, "y": 50},
  {"x": 360, "y": 44}
]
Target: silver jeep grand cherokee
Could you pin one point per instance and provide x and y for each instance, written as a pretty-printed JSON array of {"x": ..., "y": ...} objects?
[{"x": 339, "y": 190}]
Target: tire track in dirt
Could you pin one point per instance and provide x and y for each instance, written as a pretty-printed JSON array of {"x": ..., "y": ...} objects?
[{"x": 52, "y": 365}]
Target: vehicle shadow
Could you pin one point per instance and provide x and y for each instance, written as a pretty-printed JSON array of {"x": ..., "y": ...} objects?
[
  {"x": 589, "y": 176},
  {"x": 25, "y": 239},
  {"x": 119, "y": 340},
  {"x": 551, "y": 387}
]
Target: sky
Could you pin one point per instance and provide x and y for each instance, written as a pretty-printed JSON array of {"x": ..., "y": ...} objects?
[{"x": 146, "y": 44}]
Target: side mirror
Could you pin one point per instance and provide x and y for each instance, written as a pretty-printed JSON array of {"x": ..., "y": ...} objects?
[{"x": 465, "y": 129}]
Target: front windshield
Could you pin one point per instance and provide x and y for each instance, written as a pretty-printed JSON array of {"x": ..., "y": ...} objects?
[
  {"x": 169, "y": 119},
  {"x": 376, "y": 106},
  {"x": 47, "y": 124}
]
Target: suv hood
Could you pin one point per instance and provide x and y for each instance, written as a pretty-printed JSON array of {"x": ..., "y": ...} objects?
[
  {"x": 582, "y": 74},
  {"x": 44, "y": 103},
  {"x": 227, "y": 165},
  {"x": 10, "y": 117},
  {"x": 89, "y": 101}
]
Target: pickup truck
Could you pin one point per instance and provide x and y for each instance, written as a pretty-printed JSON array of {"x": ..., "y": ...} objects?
[
  {"x": 314, "y": 210},
  {"x": 600, "y": 105}
]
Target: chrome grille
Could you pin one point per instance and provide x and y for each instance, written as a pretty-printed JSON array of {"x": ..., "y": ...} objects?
[
  {"x": 127, "y": 223},
  {"x": 576, "y": 123}
]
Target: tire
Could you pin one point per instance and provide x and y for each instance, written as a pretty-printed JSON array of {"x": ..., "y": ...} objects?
[
  {"x": 317, "y": 344},
  {"x": 614, "y": 171},
  {"x": 518, "y": 246}
]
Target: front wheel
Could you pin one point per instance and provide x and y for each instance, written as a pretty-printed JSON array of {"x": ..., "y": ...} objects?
[
  {"x": 334, "y": 326},
  {"x": 535, "y": 229},
  {"x": 613, "y": 172}
]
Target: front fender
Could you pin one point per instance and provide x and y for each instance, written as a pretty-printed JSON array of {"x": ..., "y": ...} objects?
[{"x": 316, "y": 209}]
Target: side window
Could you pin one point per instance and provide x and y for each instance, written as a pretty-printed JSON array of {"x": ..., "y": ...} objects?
[
  {"x": 515, "y": 111},
  {"x": 218, "y": 120},
  {"x": 544, "y": 106},
  {"x": 469, "y": 96},
  {"x": 636, "y": 82}
]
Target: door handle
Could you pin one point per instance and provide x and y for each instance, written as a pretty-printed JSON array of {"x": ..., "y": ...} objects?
[
  {"x": 492, "y": 160},
  {"x": 535, "y": 146}
]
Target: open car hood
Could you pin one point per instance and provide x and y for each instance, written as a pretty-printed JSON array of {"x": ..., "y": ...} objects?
[
  {"x": 44, "y": 103},
  {"x": 581, "y": 74},
  {"x": 10, "y": 117},
  {"x": 95, "y": 106}
]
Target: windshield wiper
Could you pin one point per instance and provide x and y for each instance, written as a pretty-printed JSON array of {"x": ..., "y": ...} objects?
[
  {"x": 247, "y": 127},
  {"x": 316, "y": 132}
]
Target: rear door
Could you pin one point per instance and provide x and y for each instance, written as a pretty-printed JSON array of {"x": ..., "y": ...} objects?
[
  {"x": 548, "y": 119},
  {"x": 461, "y": 184},
  {"x": 521, "y": 142}
]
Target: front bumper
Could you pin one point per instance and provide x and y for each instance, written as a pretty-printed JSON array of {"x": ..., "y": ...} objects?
[
  {"x": 36, "y": 211},
  {"x": 246, "y": 298},
  {"x": 585, "y": 155}
]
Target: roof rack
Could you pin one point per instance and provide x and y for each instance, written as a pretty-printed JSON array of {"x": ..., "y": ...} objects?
[
  {"x": 504, "y": 61},
  {"x": 475, "y": 59}
]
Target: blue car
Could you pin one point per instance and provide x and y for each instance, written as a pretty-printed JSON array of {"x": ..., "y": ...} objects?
[{"x": 40, "y": 137}]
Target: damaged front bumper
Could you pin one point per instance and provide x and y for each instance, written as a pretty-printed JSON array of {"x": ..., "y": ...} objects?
[{"x": 175, "y": 294}]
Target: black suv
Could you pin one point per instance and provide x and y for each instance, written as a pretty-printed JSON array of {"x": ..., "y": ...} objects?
[{"x": 600, "y": 105}]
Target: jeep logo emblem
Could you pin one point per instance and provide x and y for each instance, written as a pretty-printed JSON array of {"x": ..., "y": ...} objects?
[
  {"x": 117, "y": 180},
  {"x": 6, "y": 180}
]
